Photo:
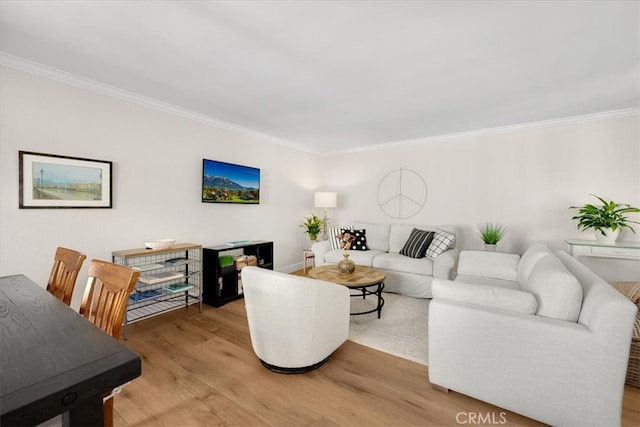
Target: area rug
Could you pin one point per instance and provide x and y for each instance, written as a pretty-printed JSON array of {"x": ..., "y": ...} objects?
[{"x": 401, "y": 331}]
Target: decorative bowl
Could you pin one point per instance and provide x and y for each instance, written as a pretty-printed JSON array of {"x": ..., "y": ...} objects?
[{"x": 159, "y": 243}]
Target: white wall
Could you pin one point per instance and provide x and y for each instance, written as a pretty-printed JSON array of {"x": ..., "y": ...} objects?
[
  {"x": 157, "y": 166},
  {"x": 524, "y": 178}
]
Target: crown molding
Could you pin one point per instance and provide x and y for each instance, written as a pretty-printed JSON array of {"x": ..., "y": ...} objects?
[
  {"x": 54, "y": 74},
  {"x": 60, "y": 76}
]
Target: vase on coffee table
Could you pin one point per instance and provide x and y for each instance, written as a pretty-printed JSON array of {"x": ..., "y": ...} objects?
[{"x": 346, "y": 266}]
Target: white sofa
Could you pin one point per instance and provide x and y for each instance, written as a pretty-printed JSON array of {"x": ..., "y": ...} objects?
[
  {"x": 295, "y": 323},
  {"x": 540, "y": 335},
  {"x": 404, "y": 275}
]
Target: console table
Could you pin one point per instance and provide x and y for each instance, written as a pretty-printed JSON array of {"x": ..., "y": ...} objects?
[{"x": 593, "y": 248}]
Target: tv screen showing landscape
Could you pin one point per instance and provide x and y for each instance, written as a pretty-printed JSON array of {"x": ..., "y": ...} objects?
[{"x": 228, "y": 183}]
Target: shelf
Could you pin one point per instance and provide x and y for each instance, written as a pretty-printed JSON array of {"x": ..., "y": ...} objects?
[
  {"x": 170, "y": 278},
  {"x": 159, "y": 307},
  {"x": 222, "y": 284}
]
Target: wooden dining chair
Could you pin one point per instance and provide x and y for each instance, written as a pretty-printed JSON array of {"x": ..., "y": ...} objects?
[
  {"x": 104, "y": 304},
  {"x": 62, "y": 280}
]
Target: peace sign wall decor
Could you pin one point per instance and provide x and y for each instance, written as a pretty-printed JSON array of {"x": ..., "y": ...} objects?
[{"x": 402, "y": 193}]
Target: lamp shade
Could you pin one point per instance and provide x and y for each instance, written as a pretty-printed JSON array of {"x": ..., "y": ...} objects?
[{"x": 325, "y": 199}]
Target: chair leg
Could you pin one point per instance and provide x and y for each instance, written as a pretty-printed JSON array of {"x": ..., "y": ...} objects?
[{"x": 107, "y": 409}]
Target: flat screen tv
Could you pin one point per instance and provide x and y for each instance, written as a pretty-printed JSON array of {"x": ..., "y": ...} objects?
[{"x": 228, "y": 183}]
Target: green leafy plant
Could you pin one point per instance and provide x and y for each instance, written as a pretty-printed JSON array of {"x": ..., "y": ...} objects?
[
  {"x": 491, "y": 233},
  {"x": 312, "y": 226},
  {"x": 610, "y": 215}
]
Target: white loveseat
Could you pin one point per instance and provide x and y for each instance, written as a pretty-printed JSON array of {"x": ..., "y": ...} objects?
[
  {"x": 404, "y": 275},
  {"x": 540, "y": 335}
]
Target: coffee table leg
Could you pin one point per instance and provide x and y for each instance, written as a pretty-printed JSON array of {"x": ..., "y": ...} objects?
[{"x": 380, "y": 298}]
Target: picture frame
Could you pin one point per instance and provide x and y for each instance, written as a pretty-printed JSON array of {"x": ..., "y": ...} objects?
[{"x": 52, "y": 181}]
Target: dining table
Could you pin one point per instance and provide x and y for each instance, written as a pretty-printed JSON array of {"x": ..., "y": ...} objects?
[{"x": 54, "y": 361}]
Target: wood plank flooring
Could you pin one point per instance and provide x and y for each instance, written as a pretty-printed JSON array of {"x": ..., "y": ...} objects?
[{"x": 200, "y": 370}]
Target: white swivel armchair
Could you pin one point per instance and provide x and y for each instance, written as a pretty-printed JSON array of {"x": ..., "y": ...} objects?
[{"x": 295, "y": 322}]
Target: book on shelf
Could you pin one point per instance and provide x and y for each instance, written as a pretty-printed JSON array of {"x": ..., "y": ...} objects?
[
  {"x": 147, "y": 267},
  {"x": 139, "y": 296},
  {"x": 178, "y": 287},
  {"x": 238, "y": 242},
  {"x": 164, "y": 276}
]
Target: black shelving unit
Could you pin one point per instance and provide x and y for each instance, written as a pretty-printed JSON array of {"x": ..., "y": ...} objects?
[{"x": 221, "y": 284}]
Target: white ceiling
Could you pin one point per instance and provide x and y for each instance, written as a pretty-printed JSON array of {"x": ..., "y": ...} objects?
[{"x": 331, "y": 76}]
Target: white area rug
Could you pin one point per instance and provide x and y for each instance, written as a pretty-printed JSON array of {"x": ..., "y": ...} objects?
[{"x": 401, "y": 331}]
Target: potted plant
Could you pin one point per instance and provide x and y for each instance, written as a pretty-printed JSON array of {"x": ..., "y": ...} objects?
[
  {"x": 491, "y": 234},
  {"x": 312, "y": 226},
  {"x": 606, "y": 220}
]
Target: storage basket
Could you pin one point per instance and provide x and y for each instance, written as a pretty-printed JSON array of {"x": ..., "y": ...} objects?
[
  {"x": 244, "y": 260},
  {"x": 632, "y": 291}
]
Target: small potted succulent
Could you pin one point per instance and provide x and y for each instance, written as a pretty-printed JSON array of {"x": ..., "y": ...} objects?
[
  {"x": 312, "y": 226},
  {"x": 606, "y": 220},
  {"x": 491, "y": 234}
]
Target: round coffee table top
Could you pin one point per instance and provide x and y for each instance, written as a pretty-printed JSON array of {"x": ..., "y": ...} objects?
[{"x": 362, "y": 276}]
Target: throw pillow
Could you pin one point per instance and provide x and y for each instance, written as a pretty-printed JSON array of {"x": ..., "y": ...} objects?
[
  {"x": 442, "y": 240},
  {"x": 417, "y": 243},
  {"x": 359, "y": 242},
  {"x": 333, "y": 236}
]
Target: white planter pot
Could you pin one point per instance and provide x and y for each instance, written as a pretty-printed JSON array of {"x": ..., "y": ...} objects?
[
  {"x": 609, "y": 235},
  {"x": 490, "y": 248}
]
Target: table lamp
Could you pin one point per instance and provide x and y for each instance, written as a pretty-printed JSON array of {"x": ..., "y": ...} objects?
[{"x": 325, "y": 200}]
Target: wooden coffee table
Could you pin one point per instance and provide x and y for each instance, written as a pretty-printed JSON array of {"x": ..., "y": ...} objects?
[{"x": 367, "y": 280}]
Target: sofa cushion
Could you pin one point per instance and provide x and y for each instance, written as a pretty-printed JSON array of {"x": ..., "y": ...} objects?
[
  {"x": 496, "y": 265},
  {"x": 359, "y": 257},
  {"x": 488, "y": 281},
  {"x": 529, "y": 259},
  {"x": 558, "y": 292},
  {"x": 396, "y": 262},
  {"x": 442, "y": 240},
  {"x": 399, "y": 233},
  {"x": 488, "y": 296},
  {"x": 377, "y": 235},
  {"x": 359, "y": 242},
  {"x": 417, "y": 243}
]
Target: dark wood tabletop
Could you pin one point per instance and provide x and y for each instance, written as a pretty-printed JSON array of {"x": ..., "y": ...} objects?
[{"x": 53, "y": 360}]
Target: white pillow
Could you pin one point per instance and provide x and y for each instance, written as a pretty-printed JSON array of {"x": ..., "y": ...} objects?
[
  {"x": 557, "y": 290},
  {"x": 442, "y": 241},
  {"x": 488, "y": 296}
]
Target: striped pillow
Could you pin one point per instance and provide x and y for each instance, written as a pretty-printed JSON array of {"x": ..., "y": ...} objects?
[
  {"x": 333, "y": 235},
  {"x": 417, "y": 243}
]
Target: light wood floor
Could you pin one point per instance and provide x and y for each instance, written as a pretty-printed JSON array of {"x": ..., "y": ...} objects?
[{"x": 200, "y": 370}]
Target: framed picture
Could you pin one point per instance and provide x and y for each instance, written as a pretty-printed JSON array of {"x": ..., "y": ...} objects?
[{"x": 52, "y": 181}]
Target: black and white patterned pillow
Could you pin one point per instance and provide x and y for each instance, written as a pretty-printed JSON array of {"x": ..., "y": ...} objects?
[
  {"x": 333, "y": 236},
  {"x": 417, "y": 243},
  {"x": 360, "y": 240},
  {"x": 442, "y": 240}
]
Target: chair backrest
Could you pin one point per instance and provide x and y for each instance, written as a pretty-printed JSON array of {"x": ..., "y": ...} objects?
[
  {"x": 62, "y": 280},
  {"x": 105, "y": 297}
]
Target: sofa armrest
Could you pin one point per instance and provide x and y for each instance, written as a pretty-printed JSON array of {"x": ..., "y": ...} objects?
[
  {"x": 496, "y": 265},
  {"x": 444, "y": 265},
  {"x": 486, "y": 296},
  {"x": 319, "y": 249}
]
